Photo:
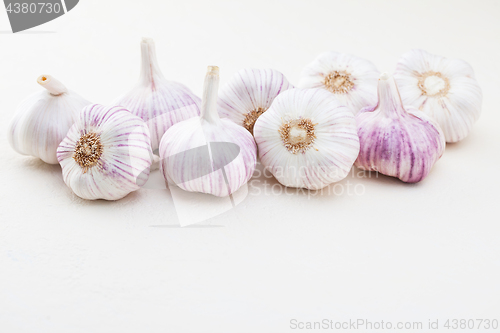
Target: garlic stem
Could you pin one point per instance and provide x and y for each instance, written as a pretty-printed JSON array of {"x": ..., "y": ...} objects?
[
  {"x": 149, "y": 64},
  {"x": 389, "y": 100},
  {"x": 54, "y": 86},
  {"x": 210, "y": 93}
]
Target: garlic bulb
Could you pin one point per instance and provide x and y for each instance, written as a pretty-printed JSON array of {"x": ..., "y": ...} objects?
[
  {"x": 353, "y": 80},
  {"x": 157, "y": 101},
  {"x": 208, "y": 154},
  {"x": 106, "y": 154},
  {"x": 444, "y": 89},
  {"x": 307, "y": 139},
  {"x": 250, "y": 93},
  {"x": 43, "y": 119},
  {"x": 397, "y": 140}
]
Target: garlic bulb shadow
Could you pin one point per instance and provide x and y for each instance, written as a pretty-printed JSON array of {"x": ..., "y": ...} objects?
[{"x": 210, "y": 161}]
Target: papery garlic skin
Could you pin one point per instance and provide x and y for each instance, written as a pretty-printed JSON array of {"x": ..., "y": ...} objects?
[
  {"x": 106, "y": 154},
  {"x": 351, "y": 79},
  {"x": 43, "y": 119},
  {"x": 159, "y": 102},
  {"x": 249, "y": 93},
  {"x": 208, "y": 154},
  {"x": 445, "y": 89},
  {"x": 307, "y": 139},
  {"x": 396, "y": 140}
]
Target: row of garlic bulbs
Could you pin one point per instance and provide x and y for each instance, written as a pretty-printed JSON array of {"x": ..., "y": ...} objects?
[{"x": 344, "y": 113}]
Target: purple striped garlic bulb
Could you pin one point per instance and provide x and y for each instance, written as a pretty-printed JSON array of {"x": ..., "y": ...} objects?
[
  {"x": 351, "y": 79},
  {"x": 444, "y": 89},
  {"x": 42, "y": 120},
  {"x": 106, "y": 154},
  {"x": 307, "y": 139},
  {"x": 396, "y": 140},
  {"x": 249, "y": 93},
  {"x": 157, "y": 101},
  {"x": 208, "y": 154}
]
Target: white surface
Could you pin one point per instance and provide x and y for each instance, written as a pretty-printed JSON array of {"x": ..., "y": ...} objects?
[{"x": 397, "y": 252}]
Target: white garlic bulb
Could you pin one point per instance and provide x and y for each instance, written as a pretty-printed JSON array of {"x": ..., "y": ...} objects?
[
  {"x": 397, "y": 140},
  {"x": 250, "y": 93},
  {"x": 208, "y": 154},
  {"x": 157, "y": 101},
  {"x": 307, "y": 139},
  {"x": 444, "y": 89},
  {"x": 106, "y": 154},
  {"x": 43, "y": 119},
  {"x": 353, "y": 80}
]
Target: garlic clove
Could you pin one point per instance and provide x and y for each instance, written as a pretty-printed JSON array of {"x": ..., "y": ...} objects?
[
  {"x": 444, "y": 89},
  {"x": 43, "y": 119},
  {"x": 397, "y": 140},
  {"x": 106, "y": 154},
  {"x": 249, "y": 93},
  {"x": 351, "y": 79},
  {"x": 159, "y": 102},
  {"x": 307, "y": 139},
  {"x": 208, "y": 154}
]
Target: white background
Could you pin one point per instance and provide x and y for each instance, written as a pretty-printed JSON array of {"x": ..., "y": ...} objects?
[{"x": 396, "y": 252}]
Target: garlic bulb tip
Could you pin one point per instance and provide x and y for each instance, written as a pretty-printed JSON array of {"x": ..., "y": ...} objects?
[
  {"x": 53, "y": 86},
  {"x": 384, "y": 76},
  {"x": 213, "y": 70}
]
